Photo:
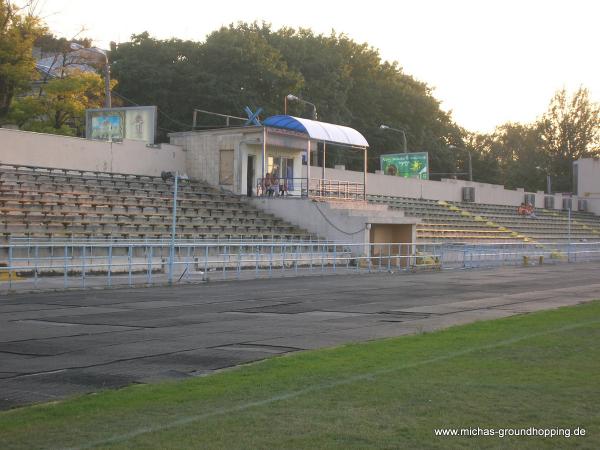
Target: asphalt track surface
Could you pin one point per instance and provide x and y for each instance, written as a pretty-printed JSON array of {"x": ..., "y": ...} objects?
[{"x": 53, "y": 345}]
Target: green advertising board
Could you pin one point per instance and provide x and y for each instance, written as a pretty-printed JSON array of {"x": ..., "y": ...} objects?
[{"x": 407, "y": 165}]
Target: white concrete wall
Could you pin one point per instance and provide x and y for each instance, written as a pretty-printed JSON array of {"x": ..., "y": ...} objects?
[
  {"x": 305, "y": 214},
  {"x": 588, "y": 177},
  {"x": 343, "y": 222},
  {"x": 203, "y": 163},
  {"x": 447, "y": 189},
  {"x": 588, "y": 182},
  {"x": 203, "y": 154},
  {"x": 49, "y": 150},
  {"x": 197, "y": 154}
]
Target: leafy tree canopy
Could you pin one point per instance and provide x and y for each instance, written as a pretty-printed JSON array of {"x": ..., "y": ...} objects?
[
  {"x": 60, "y": 99},
  {"x": 569, "y": 130},
  {"x": 257, "y": 66},
  {"x": 49, "y": 43},
  {"x": 254, "y": 65},
  {"x": 61, "y": 108},
  {"x": 522, "y": 155},
  {"x": 19, "y": 28}
]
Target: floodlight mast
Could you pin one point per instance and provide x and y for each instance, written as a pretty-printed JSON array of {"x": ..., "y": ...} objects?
[{"x": 97, "y": 55}]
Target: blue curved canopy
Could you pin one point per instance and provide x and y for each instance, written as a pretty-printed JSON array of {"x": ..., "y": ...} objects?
[{"x": 319, "y": 131}]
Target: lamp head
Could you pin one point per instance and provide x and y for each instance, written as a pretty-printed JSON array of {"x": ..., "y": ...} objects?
[
  {"x": 383, "y": 127},
  {"x": 292, "y": 97},
  {"x": 167, "y": 175}
]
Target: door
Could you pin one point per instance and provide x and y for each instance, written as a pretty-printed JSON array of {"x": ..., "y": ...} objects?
[
  {"x": 226, "y": 167},
  {"x": 250, "y": 176},
  {"x": 288, "y": 173}
]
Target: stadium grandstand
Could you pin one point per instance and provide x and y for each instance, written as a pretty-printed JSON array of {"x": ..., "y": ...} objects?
[{"x": 253, "y": 197}]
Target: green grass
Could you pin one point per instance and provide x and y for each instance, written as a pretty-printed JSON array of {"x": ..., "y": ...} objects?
[{"x": 540, "y": 370}]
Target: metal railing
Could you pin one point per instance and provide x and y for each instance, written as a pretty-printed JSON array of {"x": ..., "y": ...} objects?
[
  {"x": 317, "y": 188},
  {"x": 337, "y": 189},
  {"x": 284, "y": 187},
  {"x": 32, "y": 264}
]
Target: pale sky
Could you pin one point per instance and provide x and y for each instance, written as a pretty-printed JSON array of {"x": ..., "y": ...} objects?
[{"x": 489, "y": 61}]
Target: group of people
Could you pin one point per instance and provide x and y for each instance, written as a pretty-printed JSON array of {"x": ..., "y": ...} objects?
[
  {"x": 272, "y": 183},
  {"x": 526, "y": 209}
]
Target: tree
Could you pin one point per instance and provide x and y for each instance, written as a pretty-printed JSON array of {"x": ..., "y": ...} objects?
[
  {"x": 570, "y": 130},
  {"x": 65, "y": 90},
  {"x": 512, "y": 156},
  {"x": 251, "y": 64},
  {"x": 49, "y": 43},
  {"x": 18, "y": 32},
  {"x": 522, "y": 155},
  {"x": 247, "y": 70},
  {"x": 61, "y": 108},
  {"x": 351, "y": 85},
  {"x": 63, "y": 59},
  {"x": 232, "y": 69},
  {"x": 166, "y": 73}
]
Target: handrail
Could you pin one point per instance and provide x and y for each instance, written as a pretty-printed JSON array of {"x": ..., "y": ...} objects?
[
  {"x": 281, "y": 187},
  {"x": 337, "y": 189},
  {"x": 319, "y": 188}
]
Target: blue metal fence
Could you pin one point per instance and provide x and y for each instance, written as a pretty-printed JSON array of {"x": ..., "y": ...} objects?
[{"x": 29, "y": 264}]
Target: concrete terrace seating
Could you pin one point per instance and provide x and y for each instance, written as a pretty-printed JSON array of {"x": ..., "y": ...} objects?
[
  {"x": 48, "y": 202},
  {"x": 442, "y": 224},
  {"x": 475, "y": 222},
  {"x": 546, "y": 226}
]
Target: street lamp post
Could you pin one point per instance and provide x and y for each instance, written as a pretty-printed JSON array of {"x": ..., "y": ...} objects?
[
  {"x": 292, "y": 97},
  {"x": 397, "y": 130},
  {"x": 173, "y": 229},
  {"x": 470, "y": 160},
  {"x": 548, "y": 179},
  {"x": 569, "y": 236},
  {"x": 97, "y": 55}
]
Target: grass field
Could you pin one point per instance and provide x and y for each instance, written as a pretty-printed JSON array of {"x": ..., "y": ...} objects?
[{"x": 540, "y": 370}]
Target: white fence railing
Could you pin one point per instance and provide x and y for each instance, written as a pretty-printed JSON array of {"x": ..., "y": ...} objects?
[
  {"x": 336, "y": 189},
  {"x": 33, "y": 264}
]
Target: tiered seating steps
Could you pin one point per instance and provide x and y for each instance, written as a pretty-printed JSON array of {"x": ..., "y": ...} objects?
[
  {"x": 546, "y": 226},
  {"x": 440, "y": 223},
  {"x": 47, "y": 202},
  {"x": 474, "y": 222}
]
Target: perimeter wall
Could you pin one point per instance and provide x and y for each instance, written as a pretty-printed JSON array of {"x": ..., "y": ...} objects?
[{"x": 49, "y": 150}]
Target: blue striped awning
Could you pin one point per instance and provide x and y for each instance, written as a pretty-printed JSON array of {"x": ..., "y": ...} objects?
[{"x": 318, "y": 131}]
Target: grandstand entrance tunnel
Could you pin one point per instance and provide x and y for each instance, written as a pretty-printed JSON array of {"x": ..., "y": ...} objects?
[{"x": 386, "y": 253}]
